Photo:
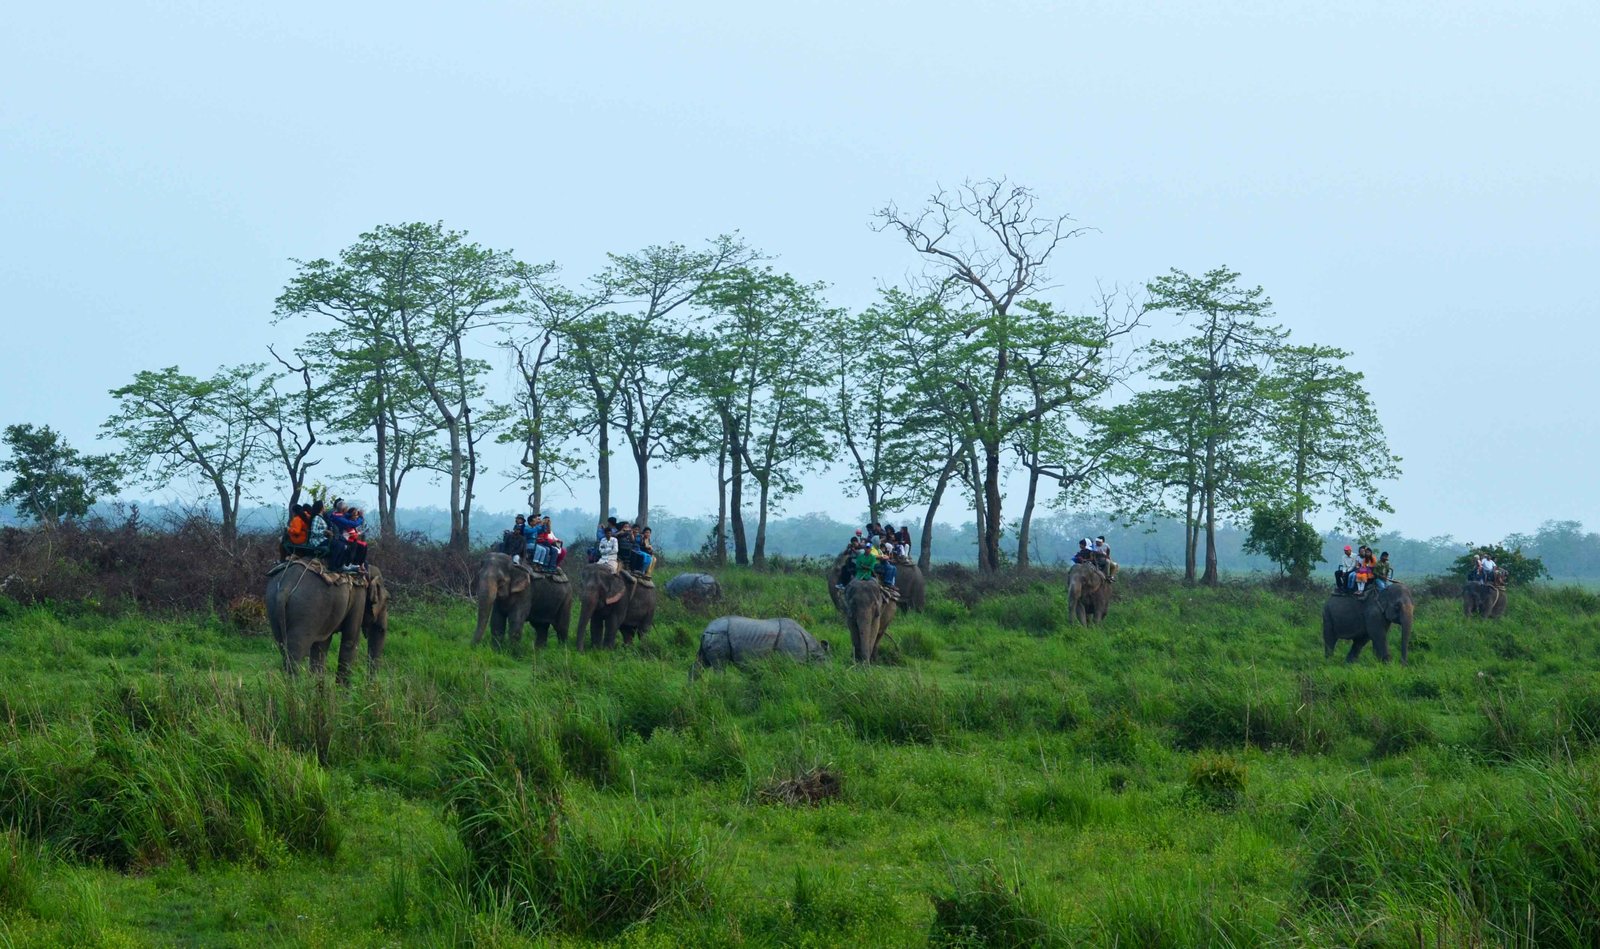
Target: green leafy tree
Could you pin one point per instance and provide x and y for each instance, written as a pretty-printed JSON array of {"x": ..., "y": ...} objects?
[
  {"x": 1325, "y": 437},
  {"x": 406, "y": 302},
  {"x": 1005, "y": 360},
  {"x": 174, "y": 426},
  {"x": 1201, "y": 433},
  {"x": 1280, "y": 534},
  {"x": 51, "y": 481}
]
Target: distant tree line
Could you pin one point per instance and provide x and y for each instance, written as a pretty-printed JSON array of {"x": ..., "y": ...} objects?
[{"x": 965, "y": 375}]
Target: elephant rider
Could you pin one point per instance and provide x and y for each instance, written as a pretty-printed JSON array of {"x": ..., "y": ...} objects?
[
  {"x": 1383, "y": 571},
  {"x": 344, "y": 526},
  {"x": 515, "y": 540},
  {"x": 606, "y": 550},
  {"x": 1084, "y": 554},
  {"x": 865, "y": 563},
  {"x": 1364, "y": 573},
  {"x": 297, "y": 536},
  {"x": 647, "y": 547},
  {"x": 847, "y": 568},
  {"x": 1103, "y": 551},
  {"x": 628, "y": 553},
  {"x": 1344, "y": 574},
  {"x": 548, "y": 551},
  {"x": 885, "y": 554},
  {"x": 1487, "y": 568}
]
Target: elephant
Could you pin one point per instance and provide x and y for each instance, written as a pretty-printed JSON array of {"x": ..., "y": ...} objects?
[
  {"x": 694, "y": 588},
  {"x": 739, "y": 639},
  {"x": 1483, "y": 599},
  {"x": 1088, "y": 594},
  {"x": 909, "y": 582},
  {"x": 1368, "y": 617},
  {"x": 510, "y": 594},
  {"x": 868, "y": 612},
  {"x": 609, "y": 602},
  {"x": 306, "y": 605}
]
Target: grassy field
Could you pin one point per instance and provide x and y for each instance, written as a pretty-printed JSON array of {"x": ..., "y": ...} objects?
[{"x": 1192, "y": 773}]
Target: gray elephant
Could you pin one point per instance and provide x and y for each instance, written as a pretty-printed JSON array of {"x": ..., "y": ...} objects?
[
  {"x": 1483, "y": 599},
  {"x": 913, "y": 586},
  {"x": 739, "y": 639},
  {"x": 868, "y": 611},
  {"x": 510, "y": 594},
  {"x": 1368, "y": 617},
  {"x": 1088, "y": 594},
  {"x": 307, "y": 604},
  {"x": 694, "y": 588},
  {"x": 612, "y": 602}
]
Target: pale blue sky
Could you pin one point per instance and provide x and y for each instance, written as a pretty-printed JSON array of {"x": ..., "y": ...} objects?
[{"x": 1414, "y": 181}]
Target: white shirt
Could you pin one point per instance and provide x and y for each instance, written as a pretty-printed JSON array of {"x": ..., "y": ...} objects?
[
  {"x": 608, "y": 550},
  {"x": 1488, "y": 566}
]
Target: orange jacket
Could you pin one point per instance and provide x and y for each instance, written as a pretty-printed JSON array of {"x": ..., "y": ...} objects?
[{"x": 299, "y": 529}]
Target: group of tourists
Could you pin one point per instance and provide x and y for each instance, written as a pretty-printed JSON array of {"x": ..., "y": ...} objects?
[
  {"x": 873, "y": 552},
  {"x": 1484, "y": 569},
  {"x": 534, "y": 539},
  {"x": 1359, "y": 568},
  {"x": 342, "y": 542},
  {"x": 1097, "y": 553},
  {"x": 621, "y": 546}
]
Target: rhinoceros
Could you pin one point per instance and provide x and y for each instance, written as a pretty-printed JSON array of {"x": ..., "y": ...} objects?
[
  {"x": 694, "y": 588},
  {"x": 739, "y": 639}
]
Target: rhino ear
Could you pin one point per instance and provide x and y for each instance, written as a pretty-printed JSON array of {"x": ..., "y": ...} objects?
[{"x": 827, "y": 647}]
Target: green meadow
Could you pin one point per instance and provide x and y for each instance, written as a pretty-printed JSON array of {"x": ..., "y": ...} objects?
[{"x": 1191, "y": 773}]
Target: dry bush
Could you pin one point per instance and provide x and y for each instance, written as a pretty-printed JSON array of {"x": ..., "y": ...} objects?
[
  {"x": 809, "y": 787},
  {"x": 183, "y": 566}
]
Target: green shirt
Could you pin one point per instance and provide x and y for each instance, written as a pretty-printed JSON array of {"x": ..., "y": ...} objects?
[{"x": 866, "y": 563}]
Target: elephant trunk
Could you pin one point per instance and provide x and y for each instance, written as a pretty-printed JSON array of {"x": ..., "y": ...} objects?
[
  {"x": 486, "y": 598},
  {"x": 1406, "y": 612}
]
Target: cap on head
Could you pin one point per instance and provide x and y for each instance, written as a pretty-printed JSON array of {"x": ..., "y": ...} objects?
[{"x": 1346, "y": 548}]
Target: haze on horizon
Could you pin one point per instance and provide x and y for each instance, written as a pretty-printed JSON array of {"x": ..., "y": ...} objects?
[{"x": 1412, "y": 182}]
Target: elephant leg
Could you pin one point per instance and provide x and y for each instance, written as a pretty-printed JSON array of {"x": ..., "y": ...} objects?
[
  {"x": 374, "y": 650},
  {"x": 541, "y": 634},
  {"x": 497, "y": 628},
  {"x": 349, "y": 643},
  {"x": 1330, "y": 637},
  {"x": 1356, "y": 645},
  {"x": 1380, "y": 643},
  {"x": 319, "y": 657}
]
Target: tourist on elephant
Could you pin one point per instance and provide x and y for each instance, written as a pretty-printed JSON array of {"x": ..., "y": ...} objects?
[
  {"x": 905, "y": 538},
  {"x": 514, "y": 541},
  {"x": 605, "y": 524},
  {"x": 1084, "y": 554},
  {"x": 548, "y": 545},
  {"x": 1487, "y": 567},
  {"x": 606, "y": 550},
  {"x": 1108, "y": 566},
  {"x": 1383, "y": 571},
  {"x": 297, "y": 536},
  {"x": 647, "y": 547},
  {"x": 865, "y": 563},
  {"x": 628, "y": 554},
  {"x": 885, "y": 555},
  {"x": 344, "y": 526},
  {"x": 1346, "y": 572}
]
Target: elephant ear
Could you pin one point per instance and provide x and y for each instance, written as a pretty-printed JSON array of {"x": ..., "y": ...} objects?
[
  {"x": 377, "y": 605},
  {"x": 520, "y": 579}
]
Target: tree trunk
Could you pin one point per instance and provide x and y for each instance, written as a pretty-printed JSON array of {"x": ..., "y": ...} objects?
[
  {"x": 759, "y": 556},
  {"x": 979, "y": 522},
  {"x": 741, "y": 553},
  {"x": 991, "y": 500},
  {"x": 1210, "y": 576},
  {"x": 1191, "y": 536},
  {"x": 720, "y": 555},
  {"x": 642, "y": 462},
  {"x": 925, "y": 546},
  {"x": 458, "y": 537},
  {"x": 380, "y": 477},
  {"x": 602, "y": 464},
  {"x": 1025, "y": 528}
]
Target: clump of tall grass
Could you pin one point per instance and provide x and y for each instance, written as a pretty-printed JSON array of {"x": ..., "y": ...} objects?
[
  {"x": 21, "y": 873},
  {"x": 1156, "y": 920},
  {"x": 1226, "y": 713},
  {"x": 526, "y": 859},
  {"x": 1216, "y": 781},
  {"x": 981, "y": 906},
  {"x": 1515, "y": 849},
  {"x": 901, "y": 709},
  {"x": 1057, "y": 801},
  {"x": 103, "y": 791},
  {"x": 588, "y": 747}
]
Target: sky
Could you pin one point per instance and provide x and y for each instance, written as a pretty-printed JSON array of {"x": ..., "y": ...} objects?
[{"x": 1415, "y": 182}]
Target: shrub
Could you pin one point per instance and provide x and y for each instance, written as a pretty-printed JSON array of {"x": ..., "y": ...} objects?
[
  {"x": 588, "y": 748},
  {"x": 134, "y": 799},
  {"x": 980, "y": 907},
  {"x": 1216, "y": 781}
]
